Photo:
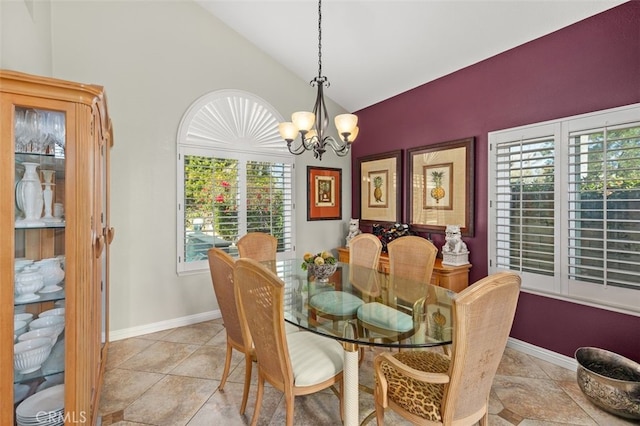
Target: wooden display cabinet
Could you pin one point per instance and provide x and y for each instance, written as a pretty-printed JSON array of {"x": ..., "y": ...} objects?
[
  {"x": 63, "y": 127},
  {"x": 454, "y": 278}
]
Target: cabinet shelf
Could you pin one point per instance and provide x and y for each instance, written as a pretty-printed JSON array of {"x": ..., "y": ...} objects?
[
  {"x": 46, "y": 225},
  {"x": 45, "y": 297}
]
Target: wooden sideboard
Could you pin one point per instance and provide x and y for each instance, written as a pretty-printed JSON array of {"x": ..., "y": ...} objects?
[{"x": 454, "y": 278}]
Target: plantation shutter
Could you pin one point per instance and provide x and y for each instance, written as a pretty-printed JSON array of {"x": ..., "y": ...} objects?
[
  {"x": 604, "y": 206},
  {"x": 269, "y": 200},
  {"x": 525, "y": 205}
]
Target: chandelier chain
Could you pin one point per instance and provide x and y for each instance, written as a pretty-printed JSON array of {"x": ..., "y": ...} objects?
[{"x": 320, "y": 38}]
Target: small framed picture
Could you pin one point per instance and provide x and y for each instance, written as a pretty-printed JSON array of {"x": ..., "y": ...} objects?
[{"x": 324, "y": 193}]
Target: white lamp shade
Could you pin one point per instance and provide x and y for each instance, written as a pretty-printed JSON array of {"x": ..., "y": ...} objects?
[
  {"x": 352, "y": 137},
  {"x": 303, "y": 120},
  {"x": 346, "y": 123},
  {"x": 310, "y": 134},
  {"x": 288, "y": 131}
]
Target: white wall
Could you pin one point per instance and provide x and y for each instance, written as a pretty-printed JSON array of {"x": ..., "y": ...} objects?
[
  {"x": 154, "y": 59},
  {"x": 25, "y": 36}
]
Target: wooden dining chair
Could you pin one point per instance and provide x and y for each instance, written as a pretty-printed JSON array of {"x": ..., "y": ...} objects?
[
  {"x": 297, "y": 363},
  {"x": 430, "y": 388},
  {"x": 411, "y": 260},
  {"x": 364, "y": 255},
  {"x": 258, "y": 246},
  {"x": 221, "y": 266}
]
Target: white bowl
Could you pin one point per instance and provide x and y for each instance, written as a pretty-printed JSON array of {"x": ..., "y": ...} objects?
[
  {"x": 55, "y": 321},
  {"x": 50, "y": 312},
  {"x": 26, "y": 283},
  {"x": 29, "y": 355},
  {"x": 24, "y": 316},
  {"x": 19, "y": 327},
  {"x": 39, "y": 333}
]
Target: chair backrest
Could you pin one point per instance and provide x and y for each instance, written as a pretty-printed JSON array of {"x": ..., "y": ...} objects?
[
  {"x": 221, "y": 266},
  {"x": 260, "y": 299},
  {"x": 411, "y": 260},
  {"x": 364, "y": 250},
  {"x": 364, "y": 256},
  {"x": 258, "y": 246},
  {"x": 483, "y": 315}
]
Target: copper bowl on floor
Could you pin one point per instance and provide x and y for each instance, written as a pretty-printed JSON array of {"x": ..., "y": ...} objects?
[{"x": 610, "y": 381}]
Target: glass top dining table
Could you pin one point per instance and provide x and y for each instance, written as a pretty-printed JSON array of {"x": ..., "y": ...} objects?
[{"x": 402, "y": 313}]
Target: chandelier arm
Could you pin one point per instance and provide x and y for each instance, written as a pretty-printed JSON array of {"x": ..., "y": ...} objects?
[
  {"x": 340, "y": 148},
  {"x": 305, "y": 145}
]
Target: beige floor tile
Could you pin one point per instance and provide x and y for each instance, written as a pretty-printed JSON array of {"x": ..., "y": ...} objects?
[
  {"x": 220, "y": 339},
  {"x": 160, "y": 357},
  {"x": 516, "y": 363},
  {"x": 122, "y": 350},
  {"x": 196, "y": 334},
  {"x": 207, "y": 362},
  {"x": 122, "y": 387},
  {"x": 157, "y": 335},
  {"x": 599, "y": 415},
  {"x": 172, "y": 401},
  {"x": 538, "y": 399},
  {"x": 226, "y": 405}
]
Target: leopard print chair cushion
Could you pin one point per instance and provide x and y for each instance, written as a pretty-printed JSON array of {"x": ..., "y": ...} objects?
[{"x": 419, "y": 398}]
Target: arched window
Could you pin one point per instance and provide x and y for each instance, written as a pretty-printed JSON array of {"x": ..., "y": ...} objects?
[{"x": 235, "y": 176}]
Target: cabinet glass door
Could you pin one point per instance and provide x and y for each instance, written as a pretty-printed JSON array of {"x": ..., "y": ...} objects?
[{"x": 39, "y": 263}]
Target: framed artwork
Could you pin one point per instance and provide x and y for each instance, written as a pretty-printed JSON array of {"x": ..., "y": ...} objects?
[
  {"x": 380, "y": 187},
  {"x": 324, "y": 193},
  {"x": 441, "y": 186}
]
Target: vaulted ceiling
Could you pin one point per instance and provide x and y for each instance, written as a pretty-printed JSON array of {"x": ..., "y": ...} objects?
[{"x": 373, "y": 50}]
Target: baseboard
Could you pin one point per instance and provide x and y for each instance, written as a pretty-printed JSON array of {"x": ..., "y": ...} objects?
[
  {"x": 163, "y": 325},
  {"x": 544, "y": 354}
]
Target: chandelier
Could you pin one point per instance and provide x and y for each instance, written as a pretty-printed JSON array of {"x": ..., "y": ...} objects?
[{"x": 312, "y": 125}]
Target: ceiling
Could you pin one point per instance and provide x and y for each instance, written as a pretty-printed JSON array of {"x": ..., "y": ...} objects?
[{"x": 373, "y": 50}]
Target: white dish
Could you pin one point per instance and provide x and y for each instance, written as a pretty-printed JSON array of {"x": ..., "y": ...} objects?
[
  {"x": 50, "y": 400},
  {"x": 39, "y": 333},
  {"x": 50, "y": 321},
  {"x": 23, "y": 316},
  {"x": 50, "y": 312},
  {"x": 50, "y": 289}
]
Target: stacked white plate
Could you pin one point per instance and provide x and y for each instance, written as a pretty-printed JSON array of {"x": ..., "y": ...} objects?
[{"x": 44, "y": 408}]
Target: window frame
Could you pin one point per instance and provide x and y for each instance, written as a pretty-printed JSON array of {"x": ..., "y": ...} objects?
[
  {"x": 559, "y": 285},
  {"x": 252, "y": 137}
]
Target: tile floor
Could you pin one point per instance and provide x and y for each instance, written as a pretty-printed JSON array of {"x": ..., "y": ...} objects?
[{"x": 171, "y": 378}]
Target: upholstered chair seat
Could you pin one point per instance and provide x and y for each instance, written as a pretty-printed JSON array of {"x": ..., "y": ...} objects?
[{"x": 379, "y": 317}]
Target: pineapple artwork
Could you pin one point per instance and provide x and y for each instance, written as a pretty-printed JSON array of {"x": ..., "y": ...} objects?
[
  {"x": 438, "y": 186},
  {"x": 377, "y": 192},
  {"x": 437, "y": 193},
  {"x": 378, "y": 189}
]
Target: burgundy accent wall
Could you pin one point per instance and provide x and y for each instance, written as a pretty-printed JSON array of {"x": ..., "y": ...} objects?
[{"x": 588, "y": 66}]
